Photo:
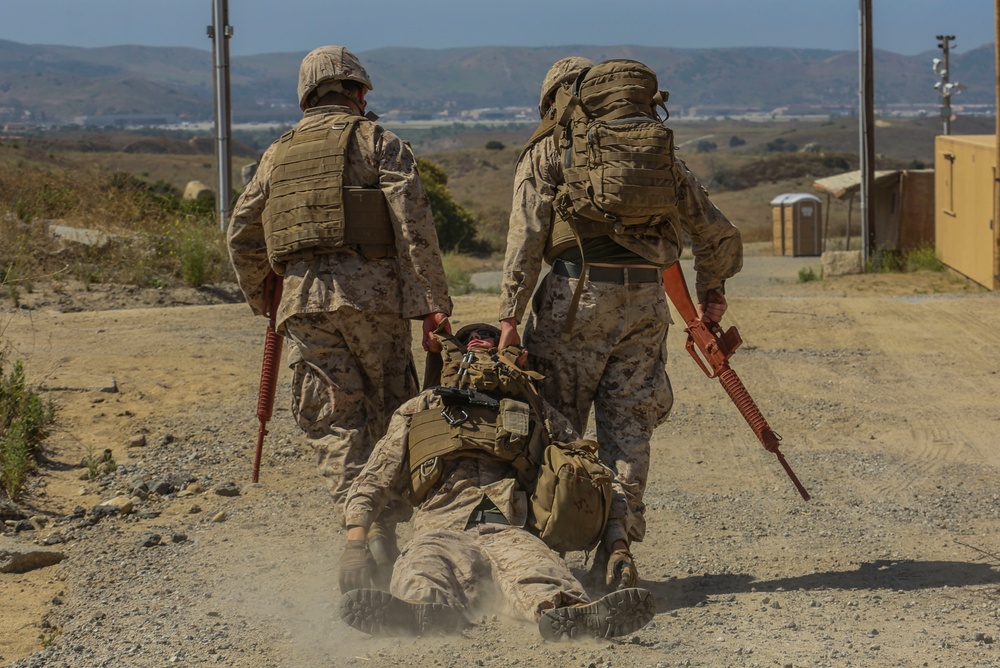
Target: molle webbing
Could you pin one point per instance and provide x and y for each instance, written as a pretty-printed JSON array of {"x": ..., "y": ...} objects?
[
  {"x": 617, "y": 157},
  {"x": 429, "y": 437},
  {"x": 432, "y": 436},
  {"x": 472, "y": 431},
  {"x": 309, "y": 211},
  {"x": 621, "y": 92}
]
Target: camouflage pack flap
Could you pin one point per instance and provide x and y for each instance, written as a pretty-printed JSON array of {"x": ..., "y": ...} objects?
[
  {"x": 572, "y": 498},
  {"x": 617, "y": 153}
]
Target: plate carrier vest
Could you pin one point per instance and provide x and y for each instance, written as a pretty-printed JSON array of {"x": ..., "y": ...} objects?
[
  {"x": 309, "y": 211},
  {"x": 570, "y": 489}
]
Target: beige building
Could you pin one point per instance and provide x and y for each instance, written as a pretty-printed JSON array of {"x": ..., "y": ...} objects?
[
  {"x": 967, "y": 238},
  {"x": 903, "y": 204}
]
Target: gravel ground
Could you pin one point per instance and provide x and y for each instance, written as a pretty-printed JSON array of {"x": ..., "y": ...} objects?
[{"x": 884, "y": 388}]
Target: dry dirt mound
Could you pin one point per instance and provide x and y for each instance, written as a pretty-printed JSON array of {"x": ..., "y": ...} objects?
[{"x": 886, "y": 399}]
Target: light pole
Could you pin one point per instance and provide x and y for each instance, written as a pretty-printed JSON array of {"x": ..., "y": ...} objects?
[
  {"x": 220, "y": 31},
  {"x": 866, "y": 104},
  {"x": 945, "y": 87}
]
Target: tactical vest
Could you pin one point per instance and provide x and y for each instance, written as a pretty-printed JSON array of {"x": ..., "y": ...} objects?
[
  {"x": 437, "y": 435},
  {"x": 617, "y": 157},
  {"x": 490, "y": 409},
  {"x": 569, "y": 487},
  {"x": 309, "y": 211}
]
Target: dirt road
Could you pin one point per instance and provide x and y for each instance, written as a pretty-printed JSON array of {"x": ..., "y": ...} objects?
[{"x": 884, "y": 388}]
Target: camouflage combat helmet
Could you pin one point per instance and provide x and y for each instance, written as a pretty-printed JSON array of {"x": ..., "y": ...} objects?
[
  {"x": 562, "y": 71},
  {"x": 463, "y": 334},
  {"x": 329, "y": 63}
]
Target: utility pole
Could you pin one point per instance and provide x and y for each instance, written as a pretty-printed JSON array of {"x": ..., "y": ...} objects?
[
  {"x": 945, "y": 87},
  {"x": 867, "y": 122},
  {"x": 220, "y": 32}
]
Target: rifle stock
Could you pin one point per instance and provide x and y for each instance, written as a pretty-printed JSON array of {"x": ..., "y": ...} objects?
[
  {"x": 269, "y": 367},
  {"x": 711, "y": 348}
]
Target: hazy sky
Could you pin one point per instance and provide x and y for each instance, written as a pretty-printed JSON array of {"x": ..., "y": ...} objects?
[{"x": 264, "y": 26}]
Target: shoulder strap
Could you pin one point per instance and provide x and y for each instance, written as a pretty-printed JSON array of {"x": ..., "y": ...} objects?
[{"x": 543, "y": 130}]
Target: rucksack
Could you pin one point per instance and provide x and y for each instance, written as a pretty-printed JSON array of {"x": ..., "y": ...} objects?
[
  {"x": 617, "y": 153},
  {"x": 571, "y": 501}
]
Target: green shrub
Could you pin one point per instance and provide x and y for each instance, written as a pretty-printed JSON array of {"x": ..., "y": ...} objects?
[
  {"x": 99, "y": 465},
  {"x": 24, "y": 423},
  {"x": 807, "y": 274},
  {"x": 459, "y": 278},
  {"x": 924, "y": 257},
  {"x": 456, "y": 225},
  {"x": 886, "y": 262},
  {"x": 195, "y": 259},
  {"x": 494, "y": 145}
]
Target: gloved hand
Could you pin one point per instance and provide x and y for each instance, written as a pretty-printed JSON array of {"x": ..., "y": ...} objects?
[
  {"x": 356, "y": 566},
  {"x": 622, "y": 573}
]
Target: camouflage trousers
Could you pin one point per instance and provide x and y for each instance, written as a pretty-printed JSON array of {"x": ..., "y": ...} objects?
[
  {"x": 486, "y": 568},
  {"x": 351, "y": 370},
  {"x": 612, "y": 360}
]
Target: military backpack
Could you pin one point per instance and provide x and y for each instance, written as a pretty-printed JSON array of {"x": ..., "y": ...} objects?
[
  {"x": 571, "y": 500},
  {"x": 617, "y": 155}
]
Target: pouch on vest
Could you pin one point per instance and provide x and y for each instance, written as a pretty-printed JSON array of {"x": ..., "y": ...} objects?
[{"x": 572, "y": 499}]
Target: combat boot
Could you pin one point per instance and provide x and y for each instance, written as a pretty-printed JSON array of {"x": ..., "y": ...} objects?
[
  {"x": 379, "y": 613},
  {"x": 616, "y": 614},
  {"x": 384, "y": 551}
]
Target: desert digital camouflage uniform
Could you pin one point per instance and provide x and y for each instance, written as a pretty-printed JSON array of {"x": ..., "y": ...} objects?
[
  {"x": 344, "y": 315},
  {"x": 613, "y": 359},
  {"x": 484, "y": 566}
]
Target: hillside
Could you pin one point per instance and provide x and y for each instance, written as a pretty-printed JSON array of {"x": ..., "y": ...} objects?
[{"x": 58, "y": 83}]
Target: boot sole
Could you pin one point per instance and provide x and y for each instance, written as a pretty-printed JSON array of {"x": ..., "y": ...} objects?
[
  {"x": 616, "y": 614},
  {"x": 379, "y": 613}
]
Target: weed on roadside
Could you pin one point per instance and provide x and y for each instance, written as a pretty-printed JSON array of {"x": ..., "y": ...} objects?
[
  {"x": 925, "y": 258},
  {"x": 900, "y": 262},
  {"x": 807, "y": 274},
  {"x": 24, "y": 423},
  {"x": 99, "y": 465}
]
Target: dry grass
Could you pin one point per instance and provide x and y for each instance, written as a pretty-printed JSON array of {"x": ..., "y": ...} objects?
[
  {"x": 150, "y": 236},
  {"x": 158, "y": 241}
]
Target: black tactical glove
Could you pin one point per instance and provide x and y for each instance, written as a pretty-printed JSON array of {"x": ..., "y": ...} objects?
[
  {"x": 622, "y": 573},
  {"x": 356, "y": 566}
]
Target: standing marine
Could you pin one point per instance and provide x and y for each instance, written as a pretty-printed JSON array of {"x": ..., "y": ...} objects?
[
  {"x": 598, "y": 323},
  {"x": 336, "y": 214}
]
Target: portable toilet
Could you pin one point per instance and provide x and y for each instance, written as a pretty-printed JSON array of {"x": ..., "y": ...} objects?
[{"x": 797, "y": 224}]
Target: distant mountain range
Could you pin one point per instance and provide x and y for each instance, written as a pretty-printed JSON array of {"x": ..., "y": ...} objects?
[{"x": 59, "y": 83}]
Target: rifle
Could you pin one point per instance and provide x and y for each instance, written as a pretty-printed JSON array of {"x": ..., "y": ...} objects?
[
  {"x": 269, "y": 369},
  {"x": 453, "y": 397},
  {"x": 711, "y": 349}
]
